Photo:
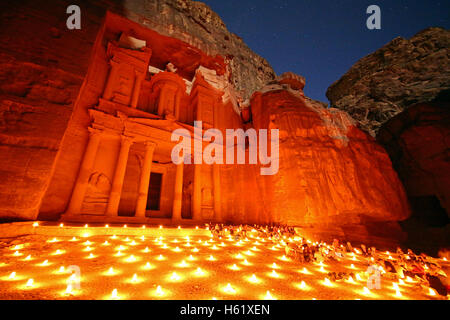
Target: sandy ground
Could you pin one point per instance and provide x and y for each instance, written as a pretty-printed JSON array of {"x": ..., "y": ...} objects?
[{"x": 226, "y": 270}]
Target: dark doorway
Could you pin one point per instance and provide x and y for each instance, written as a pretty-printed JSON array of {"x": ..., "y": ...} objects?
[
  {"x": 428, "y": 210},
  {"x": 154, "y": 191},
  {"x": 427, "y": 228}
]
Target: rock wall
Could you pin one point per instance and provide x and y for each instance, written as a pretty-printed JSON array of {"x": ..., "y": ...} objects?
[
  {"x": 195, "y": 23},
  {"x": 399, "y": 94},
  {"x": 386, "y": 82},
  {"x": 42, "y": 67},
  {"x": 332, "y": 174},
  {"x": 41, "y": 70},
  {"x": 417, "y": 142}
]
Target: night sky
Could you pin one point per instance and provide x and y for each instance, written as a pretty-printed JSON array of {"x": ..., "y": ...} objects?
[{"x": 322, "y": 39}]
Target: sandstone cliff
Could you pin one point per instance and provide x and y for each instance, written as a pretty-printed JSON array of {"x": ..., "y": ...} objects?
[
  {"x": 195, "y": 23},
  {"x": 403, "y": 72},
  {"x": 331, "y": 173},
  {"x": 417, "y": 142},
  {"x": 43, "y": 64},
  {"x": 334, "y": 179}
]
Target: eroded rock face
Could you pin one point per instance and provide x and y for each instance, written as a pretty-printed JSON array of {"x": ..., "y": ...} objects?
[
  {"x": 386, "y": 82},
  {"x": 417, "y": 142},
  {"x": 195, "y": 23},
  {"x": 331, "y": 173},
  {"x": 43, "y": 64}
]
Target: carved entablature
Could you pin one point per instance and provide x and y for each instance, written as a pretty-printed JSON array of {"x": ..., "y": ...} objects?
[
  {"x": 139, "y": 129},
  {"x": 128, "y": 70},
  {"x": 109, "y": 125}
]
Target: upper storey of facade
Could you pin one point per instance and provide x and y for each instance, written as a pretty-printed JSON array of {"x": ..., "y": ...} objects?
[{"x": 153, "y": 76}]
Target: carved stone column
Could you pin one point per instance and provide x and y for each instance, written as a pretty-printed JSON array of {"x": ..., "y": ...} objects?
[
  {"x": 119, "y": 175},
  {"x": 197, "y": 193},
  {"x": 217, "y": 202},
  {"x": 136, "y": 89},
  {"x": 112, "y": 77},
  {"x": 177, "y": 105},
  {"x": 85, "y": 172},
  {"x": 161, "y": 102},
  {"x": 144, "y": 180},
  {"x": 178, "y": 192}
]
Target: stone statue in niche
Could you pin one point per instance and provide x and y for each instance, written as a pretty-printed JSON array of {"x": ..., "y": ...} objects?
[
  {"x": 168, "y": 88},
  {"x": 99, "y": 184},
  {"x": 97, "y": 193}
]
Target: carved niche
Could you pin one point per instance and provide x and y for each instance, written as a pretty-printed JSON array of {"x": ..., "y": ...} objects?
[
  {"x": 168, "y": 89},
  {"x": 128, "y": 70}
]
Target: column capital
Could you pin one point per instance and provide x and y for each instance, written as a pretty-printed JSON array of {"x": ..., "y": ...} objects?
[
  {"x": 149, "y": 144},
  {"x": 119, "y": 175},
  {"x": 95, "y": 132},
  {"x": 127, "y": 140}
]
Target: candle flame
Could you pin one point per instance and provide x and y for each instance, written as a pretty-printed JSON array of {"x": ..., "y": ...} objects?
[
  {"x": 69, "y": 289},
  {"x": 268, "y": 296},
  {"x": 303, "y": 285},
  {"x": 30, "y": 283},
  {"x": 175, "y": 277},
  {"x": 159, "y": 291},
  {"x": 229, "y": 289}
]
